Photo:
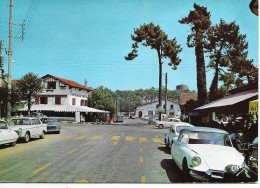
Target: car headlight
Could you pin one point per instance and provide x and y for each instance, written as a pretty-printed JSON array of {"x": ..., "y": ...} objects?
[
  {"x": 196, "y": 161},
  {"x": 20, "y": 131}
]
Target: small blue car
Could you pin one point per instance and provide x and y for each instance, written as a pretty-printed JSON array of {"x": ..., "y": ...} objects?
[
  {"x": 151, "y": 120},
  {"x": 53, "y": 125}
]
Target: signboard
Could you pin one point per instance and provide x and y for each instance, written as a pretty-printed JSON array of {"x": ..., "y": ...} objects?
[{"x": 253, "y": 107}]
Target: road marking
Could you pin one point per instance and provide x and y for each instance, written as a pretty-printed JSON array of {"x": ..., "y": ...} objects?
[
  {"x": 13, "y": 167},
  {"x": 141, "y": 149},
  {"x": 36, "y": 171},
  {"x": 81, "y": 181},
  {"x": 143, "y": 179},
  {"x": 156, "y": 136},
  {"x": 95, "y": 137},
  {"x": 129, "y": 138},
  {"x": 142, "y": 139},
  {"x": 115, "y": 138},
  {"x": 81, "y": 137},
  {"x": 157, "y": 140},
  {"x": 66, "y": 137},
  {"x": 71, "y": 152},
  {"x": 87, "y": 143},
  {"x": 141, "y": 159},
  {"x": 125, "y": 129},
  {"x": 115, "y": 143},
  {"x": 122, "y": 134}
]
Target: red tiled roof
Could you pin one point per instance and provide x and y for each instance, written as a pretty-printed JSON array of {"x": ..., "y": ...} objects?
[
  {"x": 69, "y": 82},
  {"x": 188, "y": 96},
  {"x": 14, "y": 81}
]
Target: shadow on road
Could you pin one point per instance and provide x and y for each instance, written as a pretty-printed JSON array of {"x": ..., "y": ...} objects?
[
  {"x": 172, "y": 171},
  {"x": 165, "y": 149}
]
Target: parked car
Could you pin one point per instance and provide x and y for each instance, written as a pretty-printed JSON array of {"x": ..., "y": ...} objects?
[
  {"x": 53, "y": 125},
  {"x": 28, "y": 127},
  {"x": 39, "y": 115},
  {"x": 151, "y": 120},
  {"x": 120, "y": 119},
  {"x": 174, "y": 132},
  {"x": 167, "y": 122},
  {"x": 7, "y": 135},
  {"x": 146, "y": 117},
  {"x": 203, "y": 153}
]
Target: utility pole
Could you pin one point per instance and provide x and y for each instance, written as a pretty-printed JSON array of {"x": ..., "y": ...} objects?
[
  {"x": 9, "y": 78},
  {"x": 1, "y": 62},
  {"x": 166, "y": 79}
]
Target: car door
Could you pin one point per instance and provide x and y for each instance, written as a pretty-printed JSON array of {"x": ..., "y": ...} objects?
[
  {"x": 5, "y": 133},
  {"x": 178, "y": 147},
  {"x": 36, "y": 126},
  {"x": 171, "y": 134}
]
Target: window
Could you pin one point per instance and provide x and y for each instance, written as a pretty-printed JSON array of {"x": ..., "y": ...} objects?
[
  {"x": 35, "y": 121},
  {"x": 43, "y": 100},
  {"x": 82, "y": 103},
  {"x": 62, "y": 87},
  {"x": 51, "y": 85},
  {"x": 57, "y": 100},
  {"x": 3, "y": 125},
  {"x": 73, "y": 101},
  {"x": 37, "y": 100},
  {"x": 86, "y": 102},
  {"x": 157, "y": 105},
  {"x": 171, "y": 106}
]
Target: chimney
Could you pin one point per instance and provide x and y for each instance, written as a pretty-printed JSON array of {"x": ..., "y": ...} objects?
[{"x": 86, "y": 83}]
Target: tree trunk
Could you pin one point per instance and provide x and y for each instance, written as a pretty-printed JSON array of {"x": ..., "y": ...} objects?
[
  {"x": 29, "y": 106},
  {"x": 160, "y": 81},
  {"x": 214, "y": 85},
  {"x": 201, "y": 76}
]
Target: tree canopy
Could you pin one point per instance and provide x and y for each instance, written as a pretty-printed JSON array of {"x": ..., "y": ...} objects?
[
  {"x": 29, "y": 86},
  {"x": 152, "y": 36},
  {"x": 199, "y": 21}
]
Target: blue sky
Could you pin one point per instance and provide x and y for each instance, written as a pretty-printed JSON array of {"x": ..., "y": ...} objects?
[{"x": 88, "y": 39}]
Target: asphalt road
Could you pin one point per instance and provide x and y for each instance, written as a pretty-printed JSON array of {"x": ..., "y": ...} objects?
[{"x": 132, "y": 152}]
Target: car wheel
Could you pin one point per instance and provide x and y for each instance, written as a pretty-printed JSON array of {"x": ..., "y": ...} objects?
[
  {"x": 42, "y": 135},
  {"x": 12, "y": 144},
  {"x": 26, "y": 137},
  {"x": 160, "y": 126},
  {"x": 167, "y": 143},
  {"x": 186, "y": 171}
]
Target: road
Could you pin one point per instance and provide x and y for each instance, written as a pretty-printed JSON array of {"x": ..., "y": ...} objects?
[{"x": 132, "y": 152}]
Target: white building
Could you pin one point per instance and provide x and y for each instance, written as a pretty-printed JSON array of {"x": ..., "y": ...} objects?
[
  {"x": 62, "y": 97},
  {"x": 151, "y": 109}
]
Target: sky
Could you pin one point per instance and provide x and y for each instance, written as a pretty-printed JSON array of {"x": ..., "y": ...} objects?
[{"x": 88, "y": 39}]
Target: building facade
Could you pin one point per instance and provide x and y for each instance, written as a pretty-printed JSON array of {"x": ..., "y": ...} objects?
[{"x": 151, "y": 109}]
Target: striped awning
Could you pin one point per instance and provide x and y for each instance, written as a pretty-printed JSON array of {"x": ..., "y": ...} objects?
[
  {"x": 62, "y": 108},
  {"x": 230, "y": 100}
]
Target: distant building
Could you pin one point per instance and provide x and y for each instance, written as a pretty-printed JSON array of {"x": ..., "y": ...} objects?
[
  {"x": 182, "y": 88},
  {"x": 151, "y": 109}
]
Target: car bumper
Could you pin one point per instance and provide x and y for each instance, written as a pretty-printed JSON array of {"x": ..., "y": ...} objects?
[
  {"x": 210, "y": 175},
  {"x": 52, "y": 129}
]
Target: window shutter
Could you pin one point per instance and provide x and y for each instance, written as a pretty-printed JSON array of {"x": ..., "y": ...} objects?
[
  {"x": 73, "y": 101},
  {"x": 37, "y": 100},
  {"x": 86, "y": 102}
]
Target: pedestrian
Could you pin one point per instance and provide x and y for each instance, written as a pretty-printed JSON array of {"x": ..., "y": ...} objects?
[{"x": 21, "y": 115}]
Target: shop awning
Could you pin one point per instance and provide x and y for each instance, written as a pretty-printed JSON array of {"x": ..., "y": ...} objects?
[
  {"x": 253, "y": 107},
  {"x": 230, "y": 100},
  {"x": 62, "y": 108}
]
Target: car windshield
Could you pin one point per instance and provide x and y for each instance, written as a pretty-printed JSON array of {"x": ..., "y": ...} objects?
[
  {"x": 209, "y": 138},
  {"x": 179, "y": 128},
  {"x": 20, "y": 122}
]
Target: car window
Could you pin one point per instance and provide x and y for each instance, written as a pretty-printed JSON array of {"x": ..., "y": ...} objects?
[
  {"x": 35, "y": 121},
  {"x": 20, "y": 122},
  {"x": 3, "y": 125},
  {"x": 183, "y": 137},
  {"x": 209, "y": 138}
]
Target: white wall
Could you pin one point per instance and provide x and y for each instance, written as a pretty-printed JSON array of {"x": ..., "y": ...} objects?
[{"x": 152, "y": 107}]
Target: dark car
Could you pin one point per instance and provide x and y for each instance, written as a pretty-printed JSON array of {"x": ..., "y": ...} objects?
[
  {"x": 53, "y": 125},
  {"x": 119, "y": 118}
]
